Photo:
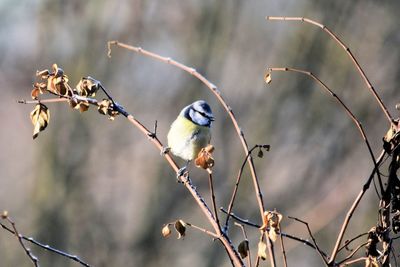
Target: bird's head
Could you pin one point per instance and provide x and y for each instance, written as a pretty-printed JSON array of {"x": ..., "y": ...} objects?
[{"x": 198, "y": 112}]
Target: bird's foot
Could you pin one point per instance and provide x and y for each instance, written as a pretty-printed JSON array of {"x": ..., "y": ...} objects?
[
  {"x": 165, "y": 150},
  {"x": 181, "y": 172}
]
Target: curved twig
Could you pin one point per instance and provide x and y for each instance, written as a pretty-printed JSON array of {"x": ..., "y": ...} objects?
[
  {"x": 239, "y": 176},
  {"x": 233, "y": 254},
  {"x": 48, "y": 248},
  {"x": 344, "y": 106},
  {"x": 227, "y": 108},
  {"x": 349, "y": 53},
  {"x": 33, "y": 258},
  {"x": 286, "y": 235},
  {"x": 217, "y": 93},
  {"x": 312, "y": 237}
]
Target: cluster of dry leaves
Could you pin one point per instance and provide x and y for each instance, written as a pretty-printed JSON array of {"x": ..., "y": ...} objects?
[{"x": 80, "y": 97}]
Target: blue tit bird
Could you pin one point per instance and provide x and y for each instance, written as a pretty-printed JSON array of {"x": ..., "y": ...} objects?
[{"x": 190, "y": 132}]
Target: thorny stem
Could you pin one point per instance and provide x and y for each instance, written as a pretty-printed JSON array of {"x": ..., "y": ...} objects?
[
  {"x": 353, "y": 208},
  {"x": 48, "y": 248},
  {"x": 227, "y": 108},
  {"x": 28, "y": 252},
  {"x": 312, "y": 237},
  {"x": 344, "y": 106},
  {"x": 349, "y": 53}
]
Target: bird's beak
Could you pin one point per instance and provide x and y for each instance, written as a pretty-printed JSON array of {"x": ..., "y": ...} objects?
[{"x": 211, "y": 118}]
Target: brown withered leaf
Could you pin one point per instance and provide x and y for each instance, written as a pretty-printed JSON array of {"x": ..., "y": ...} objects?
[
  {"x": 87, "y": 86},
  {"x": 271, "y": 220},
  {"x": 35, "y": 93},
  {"x": 180, "y": 227},
  {"x": 80, "y": 105},
  {"x": 105, "y": 107},
  {"x": 166, "y": 231},
  {"x": 267, "y": 77},
  {"x": 40, "y": 118},
  {"x": 243, "y": 249},
  {"x": 204, "y": 158},
  {"x": 262, "y": 250},
  {"x": 38, "y": 88},
  {"x": 57, "y": 82}
]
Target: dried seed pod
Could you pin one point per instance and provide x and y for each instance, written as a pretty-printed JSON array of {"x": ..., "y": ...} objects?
[
  {"x": 243, "y": 249},
  {"x": 180, "y": 227},
  {"x": 166, "y": 231}
]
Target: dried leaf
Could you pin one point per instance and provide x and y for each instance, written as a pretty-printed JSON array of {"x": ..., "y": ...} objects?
[
  {"x": 204, "y": 158},
  {"x": 271, "y": 222},
  {"x": 83, "y": 106},
  {"x": 35, "y": 93},
  {"x": 371, "y": 262},
  {"x": 105, "y": 107},
  {"x": 57, "y": 82},
  {"x": 243, "y": 249},
  {"x": 87, "y": 86},
  {"x": 4, "y": 214},
  {"x": 166, "y": 231},
  {"x": 180, "y": 227},
  {"x": 274, "y": 219},
  {"x": 262, "y": 250},
  {"x": 260, "y": 153},
  {"x": 44, "y": 74},
  {"x": 272, "y": 234},
  {"x": 40, "y": 118},
  {"x": 267, "y": 77}
]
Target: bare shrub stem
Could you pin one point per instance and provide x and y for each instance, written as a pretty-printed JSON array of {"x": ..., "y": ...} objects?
[{"x": 349, "y": 53}]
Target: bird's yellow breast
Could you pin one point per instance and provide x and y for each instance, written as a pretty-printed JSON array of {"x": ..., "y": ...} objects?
[{"x": 186, "y": 138}]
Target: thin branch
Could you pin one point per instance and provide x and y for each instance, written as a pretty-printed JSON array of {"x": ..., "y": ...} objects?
[
  {"x": 353, "y": 208},
  {"x": 28, "y": 252},
  {"x": 252, "y": 224},
  {"x": 214, "y": 235},
  {"x": 212, "y": 192},
  {"x": 232, "y": 253},
  {"x": 246, "y": 239},
  {"x": 349, "y": 53},
  {"x": 282, "y": 246},
  {"x": 344, "y": 106},
  {"x": 348, "y": 242},
  {"x": 50, "y": 100},
  {"x": 354, "y": 261},
  {"x": 353, "y": 253},
  {"x": 47, "y": 247},
  {"x": 312, "y": 237},
  {"x": 239, "y": 176},
  {"x": 218, "y": 95}
]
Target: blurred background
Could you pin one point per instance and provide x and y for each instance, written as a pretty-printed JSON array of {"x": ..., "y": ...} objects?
[{"x": 99, "y": 189}]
